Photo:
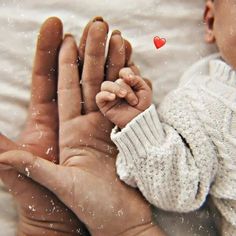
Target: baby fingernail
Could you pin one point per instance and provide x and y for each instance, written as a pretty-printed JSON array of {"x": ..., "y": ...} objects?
[
  {"x": 131, "y": 76},
  {"x": 112, "y": 96},
  {"x": 134, "y": 102},
  {"x": 122, "y": 92}
]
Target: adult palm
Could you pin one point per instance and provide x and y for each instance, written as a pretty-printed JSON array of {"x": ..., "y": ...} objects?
[
  {"x": 85, "y": 179},
  {"x": 40, "y": 211}
]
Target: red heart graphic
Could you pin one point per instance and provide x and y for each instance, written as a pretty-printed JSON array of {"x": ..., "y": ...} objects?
[{"x": 159, "y": 42}]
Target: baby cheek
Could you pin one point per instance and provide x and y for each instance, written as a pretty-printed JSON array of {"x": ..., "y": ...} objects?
[
  {"x": 229, "y": 56},
  {"x": 226, "y": 43},
  {"x": 224, "y": 29}
]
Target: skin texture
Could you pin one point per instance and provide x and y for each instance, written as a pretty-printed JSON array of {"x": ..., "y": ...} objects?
[
  {"x": 40, "y": 211},
  {"x": 122, "y": 100},
  {"x": 219, "y": 17},
  {"x": 84, "y": 178}
]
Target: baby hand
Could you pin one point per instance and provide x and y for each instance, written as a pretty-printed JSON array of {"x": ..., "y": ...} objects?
[{"x": 124, "y": 99}]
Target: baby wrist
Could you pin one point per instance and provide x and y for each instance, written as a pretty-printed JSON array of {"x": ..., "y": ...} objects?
[{"x": 146, "y": 127}]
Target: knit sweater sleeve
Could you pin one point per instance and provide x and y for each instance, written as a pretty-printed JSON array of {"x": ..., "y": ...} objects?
[{"x": 171, "y": 160}]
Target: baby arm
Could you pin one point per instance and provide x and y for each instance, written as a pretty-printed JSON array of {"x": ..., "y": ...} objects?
[
  {"x": 171, "y": 161},
  {"x": 124, "y": 99}
]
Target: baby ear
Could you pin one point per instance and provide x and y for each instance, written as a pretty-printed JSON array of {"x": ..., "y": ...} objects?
[{"x": 209, "y": 17}]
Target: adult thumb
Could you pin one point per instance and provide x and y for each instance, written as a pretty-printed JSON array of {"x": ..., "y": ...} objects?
[
  {"x": 40, "y": 170},
  {"x": 6, "y": 144}
]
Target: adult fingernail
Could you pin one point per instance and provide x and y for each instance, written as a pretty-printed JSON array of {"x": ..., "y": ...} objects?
[
  {"x": 114, "y": 32},
  {"x": 67, "y": 35},
  {"x": 98, "y": 18}
]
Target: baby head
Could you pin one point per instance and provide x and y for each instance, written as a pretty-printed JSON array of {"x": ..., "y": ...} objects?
[{"x": 220, "y": 19}]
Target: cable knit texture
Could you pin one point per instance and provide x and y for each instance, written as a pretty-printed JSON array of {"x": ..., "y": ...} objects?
[{"x": 186, "y": 150}]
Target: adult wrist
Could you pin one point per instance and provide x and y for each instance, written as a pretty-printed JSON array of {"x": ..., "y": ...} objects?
[
  {"x": 28, "y": 227},
  {"x": 144, "y": 230},
  {"x": 30, "y": 230}
]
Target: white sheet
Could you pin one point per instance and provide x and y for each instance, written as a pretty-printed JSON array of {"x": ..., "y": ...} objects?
[{"x": 179, "y": 21}]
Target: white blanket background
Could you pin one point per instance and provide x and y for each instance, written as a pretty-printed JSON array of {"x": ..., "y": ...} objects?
[{"x": 179, "y": 21}]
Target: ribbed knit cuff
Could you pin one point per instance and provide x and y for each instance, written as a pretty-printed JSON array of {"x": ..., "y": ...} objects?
[{"x": 134, "y": 140}]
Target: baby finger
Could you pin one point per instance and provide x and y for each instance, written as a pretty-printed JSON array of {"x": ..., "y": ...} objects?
[
  {"x": 130, "y": 97},
  {"x": 103, "y": 97},
  {"x": 114, "y": 88}
]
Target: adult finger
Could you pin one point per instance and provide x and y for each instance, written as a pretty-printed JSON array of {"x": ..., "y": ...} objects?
[
  {"x": 42, "y": 171},
  {"x": 6, "y": 144},
  {"x": 128, "y": 52},
  {"x": 148, "y": 82},
  {"x": 44, "y": 77},
  {"x": 69, "y": 94},
  {"x": 52, "y": 176},
  {"x": 83, "y": 40},
  {"x": 81, "y": 48},
  {"x": 94, "y": 60},
  {"x": 134, "y": 68},
  {"x": 16, "y": 183},
  {"x": 116, "y": 56},
  {"x": 128, "y": 61}
]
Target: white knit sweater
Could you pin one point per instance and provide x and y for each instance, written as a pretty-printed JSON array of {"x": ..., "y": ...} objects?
[{"x": 186, "y": 150}]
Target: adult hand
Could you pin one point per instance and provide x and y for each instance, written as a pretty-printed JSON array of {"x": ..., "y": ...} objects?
[
  {"x": 85, "y": 180},
  {"x": 40, "y": 211}
]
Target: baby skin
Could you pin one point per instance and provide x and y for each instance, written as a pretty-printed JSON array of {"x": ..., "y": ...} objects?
[
  {"x": 176, "y": 153},
  {"x": 84, "y": 176},
  {"x": 122, "y": 100}
]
